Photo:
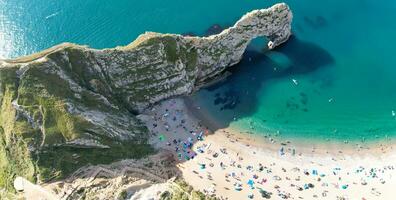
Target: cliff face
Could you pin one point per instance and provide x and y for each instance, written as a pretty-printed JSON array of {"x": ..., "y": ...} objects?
[{"x": 70, "y": 102}]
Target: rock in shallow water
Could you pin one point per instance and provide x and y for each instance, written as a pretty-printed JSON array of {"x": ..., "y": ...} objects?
[{"x": 72, "y": 93}]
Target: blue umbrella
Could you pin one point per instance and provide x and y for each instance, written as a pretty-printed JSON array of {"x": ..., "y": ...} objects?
[{"x": 250, "y": 182}]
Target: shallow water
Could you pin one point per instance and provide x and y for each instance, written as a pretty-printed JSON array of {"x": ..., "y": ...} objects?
[
  {"x": 335, "y": 79},
  {"x": 341, "y": 56}
]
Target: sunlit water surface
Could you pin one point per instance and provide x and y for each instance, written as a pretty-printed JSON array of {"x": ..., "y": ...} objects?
[{"x": 334, "y": 79}]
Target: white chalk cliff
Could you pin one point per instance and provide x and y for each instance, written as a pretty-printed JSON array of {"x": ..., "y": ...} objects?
[{"x": 76, "y": 96}]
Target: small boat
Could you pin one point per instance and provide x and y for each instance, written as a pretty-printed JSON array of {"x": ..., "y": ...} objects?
[
  {"x": 331, "y": 100},
  {"x": 393, "y": 113},
  {"x": 295, "y": 81},
  {"x": 52, "y": 15}
]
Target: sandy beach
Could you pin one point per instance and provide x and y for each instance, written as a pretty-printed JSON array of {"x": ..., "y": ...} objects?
[{"x": 233, "y": 165}]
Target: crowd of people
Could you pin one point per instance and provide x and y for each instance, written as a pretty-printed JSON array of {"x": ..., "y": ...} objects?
[{"x": 230, "y": 170}]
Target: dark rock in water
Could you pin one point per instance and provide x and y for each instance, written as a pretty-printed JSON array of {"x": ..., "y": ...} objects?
[
  {"x": 326, "y": 83},
  {"x": 305, "y": 57},
  {"x": 214, "y": 29},
  {"x": 302, "y": 94},
  {"x": 308, "y": 58},
  {"x": 189, "y": 34},
  {"x": 304, "y": 98},
  {"x": 317, "y": 92},
  {"x": 290, "y": 104},
  {"x": 317, "y": 22},
  {"x": 219, "y": 100},
  {"x": 90, "y": 99},
  {"x": 229, "y": 100}
]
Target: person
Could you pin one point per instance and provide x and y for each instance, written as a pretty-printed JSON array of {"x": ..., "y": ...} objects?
[
  {"x": 202, "y": 166},
  {"x": 282, "y": 151},
  {"x": 250, "y": 183}
]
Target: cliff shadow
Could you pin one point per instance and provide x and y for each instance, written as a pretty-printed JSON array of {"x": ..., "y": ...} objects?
[
  {"x": 212, "y": 30},
  {"x": 237, "y": 96}
]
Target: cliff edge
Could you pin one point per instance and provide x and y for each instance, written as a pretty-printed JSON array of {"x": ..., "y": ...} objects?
[{"x": 71, "y": 105}]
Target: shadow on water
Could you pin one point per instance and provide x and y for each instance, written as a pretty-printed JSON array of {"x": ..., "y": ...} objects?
[
  {"x": 317, "y": 22},
  {"x": 238, "y": 93},
  {"x": 212, "y": 30}
]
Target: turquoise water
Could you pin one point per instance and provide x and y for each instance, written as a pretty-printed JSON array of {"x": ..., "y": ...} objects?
[{"x": 341, "y": 56}]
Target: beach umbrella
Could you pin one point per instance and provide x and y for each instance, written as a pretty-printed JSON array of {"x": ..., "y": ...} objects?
[
  {"x": 161, "y": 137},
  {"x": 277, "y": 178},
  {"x": 265, "y": 194},
  {"x": 250, "y": 182}
]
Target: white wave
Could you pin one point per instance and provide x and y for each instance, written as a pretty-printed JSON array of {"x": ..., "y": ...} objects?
[{"x": 52, "y": 15}]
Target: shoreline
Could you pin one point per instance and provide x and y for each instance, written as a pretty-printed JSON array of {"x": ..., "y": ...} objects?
[
  {"x": 224, "y": 163},
  {"x": 374, "y": 148}
]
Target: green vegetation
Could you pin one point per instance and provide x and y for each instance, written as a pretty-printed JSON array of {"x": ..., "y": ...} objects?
[
  {"x": 5, "y": 195},
  {"x": 58, "y": 162},
  {"x": 123, "y": 195},
  {"x": 173, "y": 50},
  {"x": 15, "y": 159},
  {"x": 42, "y": 106},
  {"x": 32, "y": 140},
  {"x": 185, "y": 192},
  {"x": 170, "y": 48},
  {"x": 71, "y": 106}
]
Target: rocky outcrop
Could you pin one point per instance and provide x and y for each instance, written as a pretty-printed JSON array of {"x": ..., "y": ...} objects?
[
  {"x": 71, "y": 94},
  {"x": 125, "y": 177}
]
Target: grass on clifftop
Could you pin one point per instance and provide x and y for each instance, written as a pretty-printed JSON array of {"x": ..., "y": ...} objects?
[
  {"x": 43, "y": 96},
  {"x": 58, "y": 162},
  {"x": 184, "y": 192},
  {"x": 15, "y": 159},
  {"x": 54, "y": 93}
]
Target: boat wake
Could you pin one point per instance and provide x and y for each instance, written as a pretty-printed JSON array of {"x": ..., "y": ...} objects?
[{"x": 52, "y": 15}]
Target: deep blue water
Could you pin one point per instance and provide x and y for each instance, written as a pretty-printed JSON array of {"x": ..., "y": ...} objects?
[{"x": 341, "y": 55}]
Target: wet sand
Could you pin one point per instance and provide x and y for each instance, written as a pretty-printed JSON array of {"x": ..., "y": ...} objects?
[{"x": 234, "y": 165}]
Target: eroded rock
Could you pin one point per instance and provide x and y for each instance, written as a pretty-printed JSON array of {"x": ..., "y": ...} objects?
[{"x": 75, "y": 95}]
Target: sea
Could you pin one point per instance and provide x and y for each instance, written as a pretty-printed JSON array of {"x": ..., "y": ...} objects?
[{"x": 334, "y": 80}]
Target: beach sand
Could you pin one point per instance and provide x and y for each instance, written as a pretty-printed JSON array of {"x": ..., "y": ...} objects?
[{"x": 234, "y": 165}]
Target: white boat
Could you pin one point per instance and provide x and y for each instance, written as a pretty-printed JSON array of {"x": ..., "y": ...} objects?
[
  {"x": 295, "y": 81},
  {"x": 52, "y": 15}
]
